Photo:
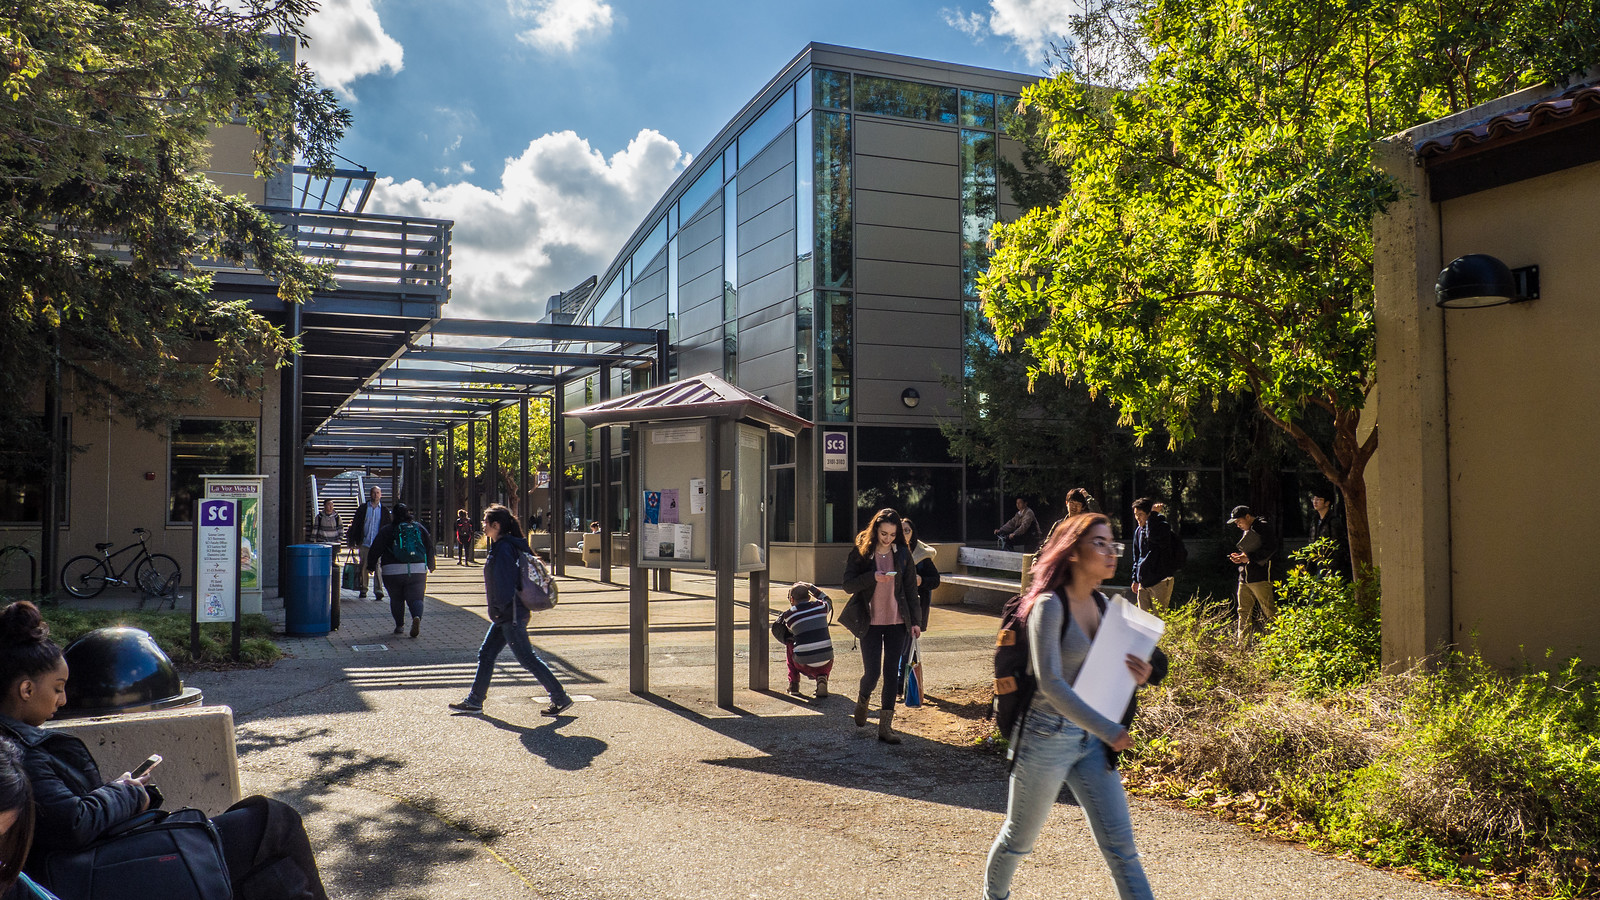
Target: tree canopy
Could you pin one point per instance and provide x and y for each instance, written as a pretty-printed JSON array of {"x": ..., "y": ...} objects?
[
  {"x": 105, "y": 112},
  {"x": 1216, "y": 236}
]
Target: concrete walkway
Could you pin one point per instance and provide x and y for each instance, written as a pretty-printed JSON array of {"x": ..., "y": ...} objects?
[{"x": 666, "y": 796}]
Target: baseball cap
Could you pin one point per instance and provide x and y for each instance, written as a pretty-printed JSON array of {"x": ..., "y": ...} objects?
[{"x": 1238, "y": 513}]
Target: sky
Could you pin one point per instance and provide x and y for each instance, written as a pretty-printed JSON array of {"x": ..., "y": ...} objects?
[{"x": 547, "y": 129}]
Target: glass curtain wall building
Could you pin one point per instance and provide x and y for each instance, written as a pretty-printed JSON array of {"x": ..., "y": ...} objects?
[{"x": 823, "y": 252}]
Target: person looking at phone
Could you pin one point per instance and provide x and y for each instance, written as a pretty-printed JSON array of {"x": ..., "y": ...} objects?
[
  {"x": 264, "y": 841},
  {"x": 882, "y": 582}
]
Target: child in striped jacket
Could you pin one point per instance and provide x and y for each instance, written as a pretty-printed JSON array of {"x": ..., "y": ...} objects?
[{"x": 803, "y": 630}]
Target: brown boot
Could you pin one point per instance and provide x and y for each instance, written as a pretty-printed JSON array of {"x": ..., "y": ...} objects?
[
  {"x": 822, "y": 687},
  {"x": 416, "y": 625},
  {"x": 794, "y": 686},
  {"x": 861, "y": 711},
  {"x": 886, "y": 726}
]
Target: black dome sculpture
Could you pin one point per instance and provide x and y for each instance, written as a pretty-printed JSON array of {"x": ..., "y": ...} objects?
[{"x": 121, "y": 670}]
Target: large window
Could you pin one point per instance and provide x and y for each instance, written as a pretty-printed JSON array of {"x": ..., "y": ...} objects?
[
  {"x": 834, "y": 217},
  {"x": 805, "y": 206},
  {"x": 831, "y": 89},
  {"x": 835, "y": 359},
  {"x": 205, "y": 447},
  {"x": 905, "y": 99},
  {"x": 978, "y": 204},
  {"x": 24, "y": 471},
  {"x": 805, "y": 354},
  {"x": 758, "y": 134},
  {"x": 701, "y": 191},
  {"x": 730, "y": 281},
  {"x": 930, "y": 495}
]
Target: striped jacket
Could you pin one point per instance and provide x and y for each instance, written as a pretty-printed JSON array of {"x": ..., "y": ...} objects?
[{"x": 805, "y": 624}]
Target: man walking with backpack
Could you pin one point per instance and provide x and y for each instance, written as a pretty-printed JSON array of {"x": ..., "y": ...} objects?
[
  {"x": 1157, "y": 554},
  {"x": 405, "y": 551}
]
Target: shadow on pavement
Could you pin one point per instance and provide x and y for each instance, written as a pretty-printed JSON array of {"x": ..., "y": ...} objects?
[
  {"x": 829, "y": 749},
  {"x": 568, "y": 753}
]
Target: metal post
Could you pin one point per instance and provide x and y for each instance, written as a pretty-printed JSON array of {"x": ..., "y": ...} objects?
[
  {"x": 663, "y": 576},
  {"x": 605, "y": 480},
  {"x": 727, "y": 552},
  {"x": 558, "y": 479},
  {"x": 474, "y": 511},
  {"x": 56, "y": 447},
  {"x": 760, "y": 664},
  {"x": 450, "y": 499},
  {"x": 433, "y": 488},
  {"x": 638, "y": 602},
  {"x": 524, "y": 502},
  {"x": 491, "y": 458},
  {"x": 291, "y": 496}
]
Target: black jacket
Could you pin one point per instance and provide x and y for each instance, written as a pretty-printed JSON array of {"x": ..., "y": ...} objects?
[
  {"x": 860, "y": 579},
  {"x": 382, "y": 552},
  {"x": 358, "y": 524},
  {"x": 500, "y": 576},
  {"x": 1259, "y": 568},
  {"x": 73, "y": 805},
  {"x": 1333, "y": 528},
  {"x": 1152, "y": 551}
]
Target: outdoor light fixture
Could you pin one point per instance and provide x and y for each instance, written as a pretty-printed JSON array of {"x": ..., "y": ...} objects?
[
  {"x": 1478, "y": 280},
  {"x": 572, "y": 446},
  {"x": 910, "y": 398}
]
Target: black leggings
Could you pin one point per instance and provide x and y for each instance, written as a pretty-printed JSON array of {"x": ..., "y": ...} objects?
[{"x": 880, "y": 653}]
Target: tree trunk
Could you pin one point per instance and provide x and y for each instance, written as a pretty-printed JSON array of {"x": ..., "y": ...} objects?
[{"x": 1358, "y": 529}]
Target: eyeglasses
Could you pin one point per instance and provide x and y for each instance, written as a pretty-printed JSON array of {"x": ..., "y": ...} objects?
[{"x": 1109, "y": 548}]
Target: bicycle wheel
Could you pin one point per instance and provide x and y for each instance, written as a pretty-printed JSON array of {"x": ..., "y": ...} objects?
[
  {"x": 157, "y": 574},
  {"x": 84, "y": 576}
]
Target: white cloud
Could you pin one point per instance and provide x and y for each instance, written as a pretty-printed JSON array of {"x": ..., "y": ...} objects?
[
  {"x": 560, "y": 25},
  {"x": 347, "y": 42},
  {"x": 1029, "y": 24},
  {"x": 561, "y": 213}
]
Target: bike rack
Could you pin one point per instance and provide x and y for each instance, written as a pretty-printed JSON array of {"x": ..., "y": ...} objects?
[{"x": 33, "y": 565}]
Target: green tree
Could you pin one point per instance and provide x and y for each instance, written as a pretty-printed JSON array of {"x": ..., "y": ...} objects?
[
  {"x": 506, "y": 468},
  {"x": 1216, "y": 236},
  {"x": 105, "y": 110}
]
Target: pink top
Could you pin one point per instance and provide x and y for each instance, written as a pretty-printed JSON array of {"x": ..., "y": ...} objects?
[{"x": 885, "y": 608}]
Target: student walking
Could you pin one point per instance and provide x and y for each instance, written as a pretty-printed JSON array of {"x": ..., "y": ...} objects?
[
  {"x": 327, "y": 527},
  {"x": 463, "y": 538},
  {"x": 881, "y": 613},
  {"x": 508, "y": 618},
  {"x": 404, "y": 551},
  {"x": 922, "y": 557},
  {"x": 1062, "y": 738}
]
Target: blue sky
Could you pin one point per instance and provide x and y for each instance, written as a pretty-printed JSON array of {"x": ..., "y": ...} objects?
[{"x": 547, "y": 128}]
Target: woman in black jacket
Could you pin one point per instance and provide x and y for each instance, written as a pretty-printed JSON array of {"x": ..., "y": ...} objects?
[
  {"x": 264, "y": 842},
  {"x": 883, "y": 610},
  {"x": 508, "y": 618},
  {"x": 404, "y": 550},
  {"x": 922, "y": 557}
]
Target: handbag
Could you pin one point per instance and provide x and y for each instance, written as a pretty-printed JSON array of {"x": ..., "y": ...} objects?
[
  {"x": 914, "y": 675},
  {"x": 156, "y": 855},
  {"x": 350, "y": 573}
]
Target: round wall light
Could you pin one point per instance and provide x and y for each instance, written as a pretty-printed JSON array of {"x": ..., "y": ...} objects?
[
  {"x": 1479, "y": 280},
  {"x": 910, "y": 398}
]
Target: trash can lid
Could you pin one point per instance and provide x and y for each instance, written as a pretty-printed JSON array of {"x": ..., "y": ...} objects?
[{"x": 121, "y": 670}]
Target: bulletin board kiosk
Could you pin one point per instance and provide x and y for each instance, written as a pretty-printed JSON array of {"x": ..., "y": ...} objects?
[{"x": 699, "y": 456}]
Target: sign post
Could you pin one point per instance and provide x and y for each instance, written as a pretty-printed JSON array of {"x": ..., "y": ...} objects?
[
  {"x": 217, "y": 554},
  {"x": 249, "y": 491}
]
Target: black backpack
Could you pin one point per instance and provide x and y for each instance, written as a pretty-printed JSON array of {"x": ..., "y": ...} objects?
[
  {"x": 1014, "y": 685},
  {"x": 154, "y": 856}
]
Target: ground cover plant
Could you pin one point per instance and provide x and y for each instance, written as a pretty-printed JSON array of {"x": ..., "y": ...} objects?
[
  {"x": 171, "y": 633},
  {"x": 1461, "y": 773}
]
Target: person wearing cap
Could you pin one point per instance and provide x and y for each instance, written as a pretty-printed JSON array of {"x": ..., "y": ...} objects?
[
  {"x": 803, "y": 631},
  {"x": 1253, "y": 555}
]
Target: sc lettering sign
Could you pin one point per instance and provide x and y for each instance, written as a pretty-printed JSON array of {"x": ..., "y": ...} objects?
[
  {"x": 836, "y": 451},
  {"x": 217, "y": 513}
]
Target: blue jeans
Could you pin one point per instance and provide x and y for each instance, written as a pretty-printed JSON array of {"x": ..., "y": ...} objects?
[
  {"x": 514, "y": 635},
  {"x": 1053, "y": 750}
]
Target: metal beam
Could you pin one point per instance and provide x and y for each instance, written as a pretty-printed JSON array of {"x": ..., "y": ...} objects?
[
  {"x": 544, "y": 331},
  {"x": 464, "y": 377},
  {"x": 519, "y": 357}
]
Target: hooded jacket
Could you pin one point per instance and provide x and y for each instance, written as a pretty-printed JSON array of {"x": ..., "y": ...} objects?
[{"x": 501, "y": 574}]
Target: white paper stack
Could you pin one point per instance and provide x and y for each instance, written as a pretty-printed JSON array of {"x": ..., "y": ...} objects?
[{"x": 1104, "y": 681}]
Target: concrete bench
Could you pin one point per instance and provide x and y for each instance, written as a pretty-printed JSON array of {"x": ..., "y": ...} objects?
[
  {"x": 979, "y": 569},
  {"x": 199, "y": 763}
]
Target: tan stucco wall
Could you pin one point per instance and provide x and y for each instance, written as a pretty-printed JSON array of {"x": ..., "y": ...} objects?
[
  {"x": 1524, "y": 437},
  {"x": 231, "y": 166}
]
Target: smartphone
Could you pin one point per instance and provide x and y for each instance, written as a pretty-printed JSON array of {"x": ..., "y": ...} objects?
[
  {"x": 147, "y": 765},
  {"x": 891, "y": 572}
]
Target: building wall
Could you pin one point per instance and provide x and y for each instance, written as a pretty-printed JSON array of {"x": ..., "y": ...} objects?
[
  {"x": 1524, "y": 438},
  {"x": 231, "y": 164}
]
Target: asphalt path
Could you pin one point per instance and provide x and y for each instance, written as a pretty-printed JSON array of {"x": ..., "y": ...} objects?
[{"x": 665, "y": 795}]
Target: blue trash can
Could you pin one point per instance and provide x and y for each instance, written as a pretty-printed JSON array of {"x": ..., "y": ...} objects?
[{"x": 307, "y": 597}]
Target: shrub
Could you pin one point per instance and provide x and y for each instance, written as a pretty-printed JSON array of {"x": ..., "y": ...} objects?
[
  {"x": 1322, "y": 639},
  {"x": 171, "y": 634}
]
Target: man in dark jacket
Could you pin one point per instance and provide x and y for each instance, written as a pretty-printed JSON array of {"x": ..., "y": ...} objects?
[
  {"x": 370, "y": 518},
  {"x": 1253, "y": 555},
  {"x": 1154, "y": 563},
  {"x": 1329, "y": 524}
]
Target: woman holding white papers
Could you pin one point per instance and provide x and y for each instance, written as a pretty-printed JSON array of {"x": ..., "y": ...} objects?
[{"x": 1062, "y": 738}]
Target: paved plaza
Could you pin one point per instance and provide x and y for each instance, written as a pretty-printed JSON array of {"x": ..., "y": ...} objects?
[{"x": 667, "y": 796}]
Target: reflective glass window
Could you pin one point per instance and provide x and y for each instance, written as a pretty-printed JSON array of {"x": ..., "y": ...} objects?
[
  {"x": 672, "y": 290},
  {"x": 905, "y": 99},
  {"x": 730, "y": 281},
  {"x": 835, "y": 360},
  {"x": 929, "y": 495},
  {"x": 802, "y": 94},
  {"x": 702, "y": 189},
  {"x": 834, "y": 216},
  {"x": 977, "y": 110},
  {"x": 836, "y": 517},
  {"x": 902, "y": 445},
  {"x": 804, "y": 206},
  {"x": 730, "y": 161},
  {"x": 608, "y": 303},
  {"x": 783, "y": 504},
  {"x": 978, "y": 200},
  {"x": 758, "y": 134},
  {"x": 831, "y": 89},
  {"x": 1007, "y": 110},
  {"x": 804, "y": 354},
  {"x": 653, "y": 242},
  {"x": 205, "y": 447},
  {"x": 24, "y": 472}
]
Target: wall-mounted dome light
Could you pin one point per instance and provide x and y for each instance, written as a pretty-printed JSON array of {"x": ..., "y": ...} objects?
[{"x": 1478, "y": 280}]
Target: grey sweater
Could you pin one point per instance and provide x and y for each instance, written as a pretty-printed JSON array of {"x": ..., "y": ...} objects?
[{"x": 1055, "y": 662}]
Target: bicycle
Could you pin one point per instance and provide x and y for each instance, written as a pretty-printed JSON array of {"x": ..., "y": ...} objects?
[{"x": 157, "y": 574}]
